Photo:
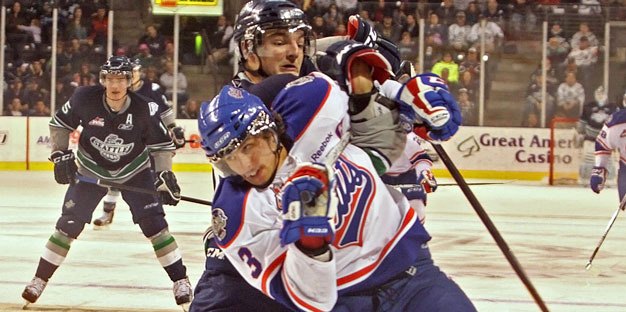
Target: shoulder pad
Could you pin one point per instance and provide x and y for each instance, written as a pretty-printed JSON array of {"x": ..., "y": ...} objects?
[
  {"x": 228, "y": 204},
  {"x": 616, "y": 118}
]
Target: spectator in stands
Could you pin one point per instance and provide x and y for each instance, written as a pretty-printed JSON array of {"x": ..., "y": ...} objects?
[
  {"x": 340, "y": 30},
  {"x": 523, "y": 19},
  {"x": 63, "y": 91},
  {"x": 77, "y": 28},
  {"x": 584, "y": 31},
  {"x": 15, "y": 90},
  {"x": 586, "y": 58},
  {"x": 494, "y": 13},
  {"x": 15, "y": 17},
  {"x": 40, "y": 108},
  {"x": 458, "y": 33},
  {"x": 16, "y": 108},
  {"x": 470, "y": 63},
  {"x": 220, "y": 39},
  {"x": 532, "y": 107},
  {"x": 399, "y": 14},
  {"x": 33, "y": 30},
  {"x": 167, "y": 81},
  {"x": 365, "y": 15},
  {"x": 557, "y": 51},
  {"x": 436, "y": 33},
  {"x": 557, "y": 31},
  {"x": 470, "y": 84},
  {"x": 319, "y": 28},
  {"x": 99, "y": 27},
  {"x": 333, "y": 18},
  {"x": 447, "y": 62},
  {"x": 494, "y": 36},
  {"x": 552, "y": 77},
  {"x": 446, "y": 12},
  {"x": 168, "y": 56},
  {"x": 472, "y": 13},
  {"x": 190, "y": 110},
  {"x": 155, "y": 41},
  {"x": 570, "y": 97},
  {"x": 145, "y": 58},
  {"x": 468, "y": 108},
  {"x": 411, "y": 26},
  {"x": 589, "y": 7},
  {"x": 408, "y": 47},
  {"x": 34, "y": 92},
  {"x": 388, "y": 29}
]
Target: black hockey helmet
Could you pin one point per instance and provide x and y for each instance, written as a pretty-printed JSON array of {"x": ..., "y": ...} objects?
[
  {"x": 257, "y": 16},
  {"x": 117, "y": 65}
]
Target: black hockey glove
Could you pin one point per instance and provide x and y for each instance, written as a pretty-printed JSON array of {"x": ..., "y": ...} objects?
[
  {"x": 178, "y": 136},
  {"x": 64, "y": 166},
  {"x": 167, "y": 187},
  {"x": 360, "y": 31}
]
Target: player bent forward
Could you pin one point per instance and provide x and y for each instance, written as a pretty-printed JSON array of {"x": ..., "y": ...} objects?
[
  {"x": 309, "y": 235},
  {"x": 120, "y": 130}
]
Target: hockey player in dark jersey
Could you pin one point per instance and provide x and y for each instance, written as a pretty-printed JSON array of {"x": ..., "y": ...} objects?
[
  {"x": 121, "y": 131},
  {"x": 154, "y": 92}
]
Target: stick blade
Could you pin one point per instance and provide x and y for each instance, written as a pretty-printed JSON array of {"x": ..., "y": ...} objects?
[{"x": 588, "y": 266}]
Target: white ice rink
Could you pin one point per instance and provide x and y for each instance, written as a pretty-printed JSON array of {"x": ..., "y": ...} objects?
[{"x": 551, "y": 230}]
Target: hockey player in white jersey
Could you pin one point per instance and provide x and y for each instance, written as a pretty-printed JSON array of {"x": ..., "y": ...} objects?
[
  {"x": 610, "y": 139},
  {"x": 310, "y": 235},
  {"x": 593, "y": 117}
]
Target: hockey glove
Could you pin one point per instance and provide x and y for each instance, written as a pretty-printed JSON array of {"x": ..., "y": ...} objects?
[
  {"x": 64, "y": 166},
  {"x": 340, "y": 56},
  {"x": 178, "y": 136},
  {"x": 167, "y": 187},
  {"x": 433, "y": 106},
  {"x": 598, "y": 177},
  {"x": 361, "y": 31},
  {"x": 427, "y": 180},
  {"x": 308, "y": 207}
]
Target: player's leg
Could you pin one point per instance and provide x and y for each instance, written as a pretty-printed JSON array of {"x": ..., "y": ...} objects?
[
  {"x": 148, "y": 213},
  {"x": 80, "y": 201},
  {"x": 425, "y": 288},
  {"x": 108, "y": 208}
]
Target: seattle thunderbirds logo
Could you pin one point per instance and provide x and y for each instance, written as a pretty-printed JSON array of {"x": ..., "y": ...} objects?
[{"x": 112, "y": 148}]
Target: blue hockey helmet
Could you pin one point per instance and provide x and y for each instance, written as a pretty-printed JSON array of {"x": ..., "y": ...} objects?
[
  {"x": 117, "y": 65},
  {"x": 229, "y": 118}
]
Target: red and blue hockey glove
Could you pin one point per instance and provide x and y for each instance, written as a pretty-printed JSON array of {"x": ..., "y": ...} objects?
[
  {"x": 168, "y": 188},
  {"x": 178, "y": 136},
  {"x": 361, "y": 31},
  {"x": 598, "y": 177},
  {"x": 434, "y": 107},
  {"x": 64, "y": 166},
  {"x": 308, "y": 207},
  {"x": 340, "y": 56}
]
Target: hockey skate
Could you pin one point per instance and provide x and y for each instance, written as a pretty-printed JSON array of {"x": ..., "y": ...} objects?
[
  {"x": 107, "y": 215},
  {"x": 183, "y": 293},
  {"x": 33, "y": 290}
]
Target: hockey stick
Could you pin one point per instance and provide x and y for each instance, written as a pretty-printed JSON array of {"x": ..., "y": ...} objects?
[
  {"x": 622, "y": 206},
  {"x": 452, "y": 184},
  {"x": 484, "y": 217},
  {"x": 136, "y": 189}
]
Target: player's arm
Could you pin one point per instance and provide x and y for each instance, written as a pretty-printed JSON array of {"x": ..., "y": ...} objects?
[
  {"x": 62, "y": 124},
  {"x": 247, "y": 226},
  {"x": 161, "y": 148}
]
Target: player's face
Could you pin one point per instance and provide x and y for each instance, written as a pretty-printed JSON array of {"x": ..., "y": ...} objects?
[
  {"x": 282, "y": 51},
  {"x": 255, "y": 159},
  {"x": 115, "y": 85}
]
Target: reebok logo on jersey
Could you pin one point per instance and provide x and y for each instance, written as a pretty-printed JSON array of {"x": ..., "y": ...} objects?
[
  {"x": 322, "y": 148},
  {"x": 112, "y": 148},
  {"x": 127, "y": 127},
  {"x": 98, "y": 122}
]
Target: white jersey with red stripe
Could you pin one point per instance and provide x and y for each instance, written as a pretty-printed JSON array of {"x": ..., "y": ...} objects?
[
  {"x": 612, "y": 137},
  {"x": 377, "y": 234}
]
